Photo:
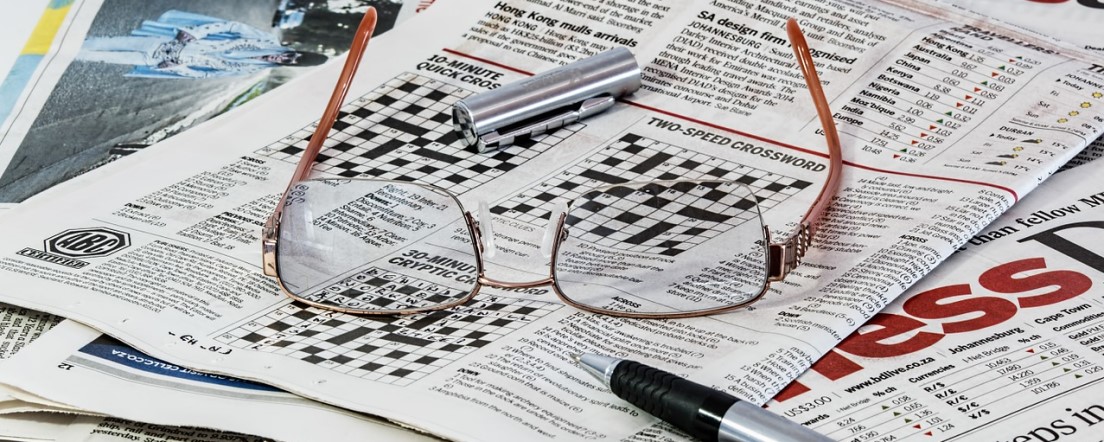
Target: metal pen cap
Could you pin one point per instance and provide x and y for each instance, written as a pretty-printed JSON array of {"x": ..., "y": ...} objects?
[{"x": 546, "y": 101}]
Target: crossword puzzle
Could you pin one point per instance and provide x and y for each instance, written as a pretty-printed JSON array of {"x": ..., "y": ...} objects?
[
  {"x": 403, "y": 131},
  {"x": 646, "y": 222},
  {"x": 393, "y": 349},
  {"x": 387, "y": 290}
]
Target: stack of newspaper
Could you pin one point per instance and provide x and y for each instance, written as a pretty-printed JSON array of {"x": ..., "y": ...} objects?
[{"x": 947, "y": 118}]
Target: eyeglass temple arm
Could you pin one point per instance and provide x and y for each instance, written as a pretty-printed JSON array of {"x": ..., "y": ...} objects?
[
  {"x": 314, "y": 146},
  {"x": 786, "y": 255},
  {"x": 356, "y": 52}
]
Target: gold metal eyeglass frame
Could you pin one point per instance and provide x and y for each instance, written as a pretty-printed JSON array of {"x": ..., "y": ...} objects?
[{"x": 782, "y": 257}]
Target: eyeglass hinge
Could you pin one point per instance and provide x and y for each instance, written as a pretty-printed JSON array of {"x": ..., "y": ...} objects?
[
  {"x": 783, "y": 257},
  {"x": 268, "y": 245},
  {"x": 477, "y": 234}
]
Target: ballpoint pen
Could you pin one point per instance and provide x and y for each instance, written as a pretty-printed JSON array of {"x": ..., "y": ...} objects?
[{"x": 703, "y": 412}]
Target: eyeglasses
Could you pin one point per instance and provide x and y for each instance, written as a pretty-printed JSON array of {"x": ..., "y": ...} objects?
[{"x": 649, "y": 249}]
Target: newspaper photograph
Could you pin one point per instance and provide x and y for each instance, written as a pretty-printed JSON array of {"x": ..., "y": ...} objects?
[
  {"x": 945, "y": 125},
  {"x": 1002, "y": 342},
  {"x": 99, "y": 79}
]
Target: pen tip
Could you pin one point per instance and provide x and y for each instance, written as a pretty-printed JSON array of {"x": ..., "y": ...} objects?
[{"x": 577, "y": 357}]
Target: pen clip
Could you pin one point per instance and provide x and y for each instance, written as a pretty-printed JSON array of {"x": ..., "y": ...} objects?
[{"x": 544, "y": 122}]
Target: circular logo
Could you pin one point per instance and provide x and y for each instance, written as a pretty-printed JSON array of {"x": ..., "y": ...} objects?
[{"x": 87, "y": 243}]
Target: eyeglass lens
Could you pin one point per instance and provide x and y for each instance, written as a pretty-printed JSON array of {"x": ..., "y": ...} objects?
[
  {"x": 368, "y": 246},
  {"x": 647, "y": 247}
]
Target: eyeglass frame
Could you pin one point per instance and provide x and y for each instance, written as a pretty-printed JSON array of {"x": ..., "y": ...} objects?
[{"x": 781, "y": 257}]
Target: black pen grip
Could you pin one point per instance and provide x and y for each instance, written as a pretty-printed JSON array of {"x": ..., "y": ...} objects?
[{"x": 694, "y": 408}]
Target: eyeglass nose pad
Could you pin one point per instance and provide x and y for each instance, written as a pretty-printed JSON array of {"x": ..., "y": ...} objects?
[
  {"x": 558, "y": 209},
  {"x": 487, "y": 229}
]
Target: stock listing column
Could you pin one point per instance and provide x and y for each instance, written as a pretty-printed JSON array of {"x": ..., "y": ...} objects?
[{"x": 951, "y": 99}]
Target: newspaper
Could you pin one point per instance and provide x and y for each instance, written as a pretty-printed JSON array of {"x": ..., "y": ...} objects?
[
  {"x": 78, "y": 367},
  {"x": 954, "y": 418},
  {"x": 931, "y": 161},
  {"x": 1073, "y": 21},
  {"x": 1001, "y": 342},
  {"x": 19, "y": 326},
  {"x": 31, "y": 62},
  {"x": 77, "y": 370},
  {"x": 75, "y": 95}
]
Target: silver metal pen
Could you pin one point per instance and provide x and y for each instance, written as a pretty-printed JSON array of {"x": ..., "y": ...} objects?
[
  {"x": 546, "y": 101},
  {"x": 705, "y": 413}
]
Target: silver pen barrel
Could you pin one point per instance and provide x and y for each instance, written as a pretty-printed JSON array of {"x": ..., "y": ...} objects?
[
  {"x": 746, "y": 422},
  {"x": 546, "y": 101}
]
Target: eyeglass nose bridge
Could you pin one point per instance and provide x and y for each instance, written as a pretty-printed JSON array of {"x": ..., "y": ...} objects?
[
  {"x": 483, "y": 280},
  {"x": 555, "y": 230}
]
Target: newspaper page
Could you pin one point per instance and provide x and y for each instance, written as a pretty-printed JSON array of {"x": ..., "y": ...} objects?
[
  {"x": 1076, "y": 22},
  {"x": 945, "y": 125},
  {"x": 94, "y": 371},
  {"x": 18, "y": 327},
  {"x": 1002, "y": 342},
  {"x": 78, "y": 367},
  {"x": 86, "y": 86}
]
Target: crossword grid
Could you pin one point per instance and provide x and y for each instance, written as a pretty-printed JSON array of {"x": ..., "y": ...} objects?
[
  {"x": 645, "y": 222},
  {"x": 387, "y": 290},
  {"x": 403, "y": 131},
  {"x": 393, "y": 349}
]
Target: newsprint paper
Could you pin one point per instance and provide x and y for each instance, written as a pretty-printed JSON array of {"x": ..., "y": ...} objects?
[
  {"x": 945, "y": 124},
  {"x": 76, "y": 367},
  {"x": 1004, "y": 341}
]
